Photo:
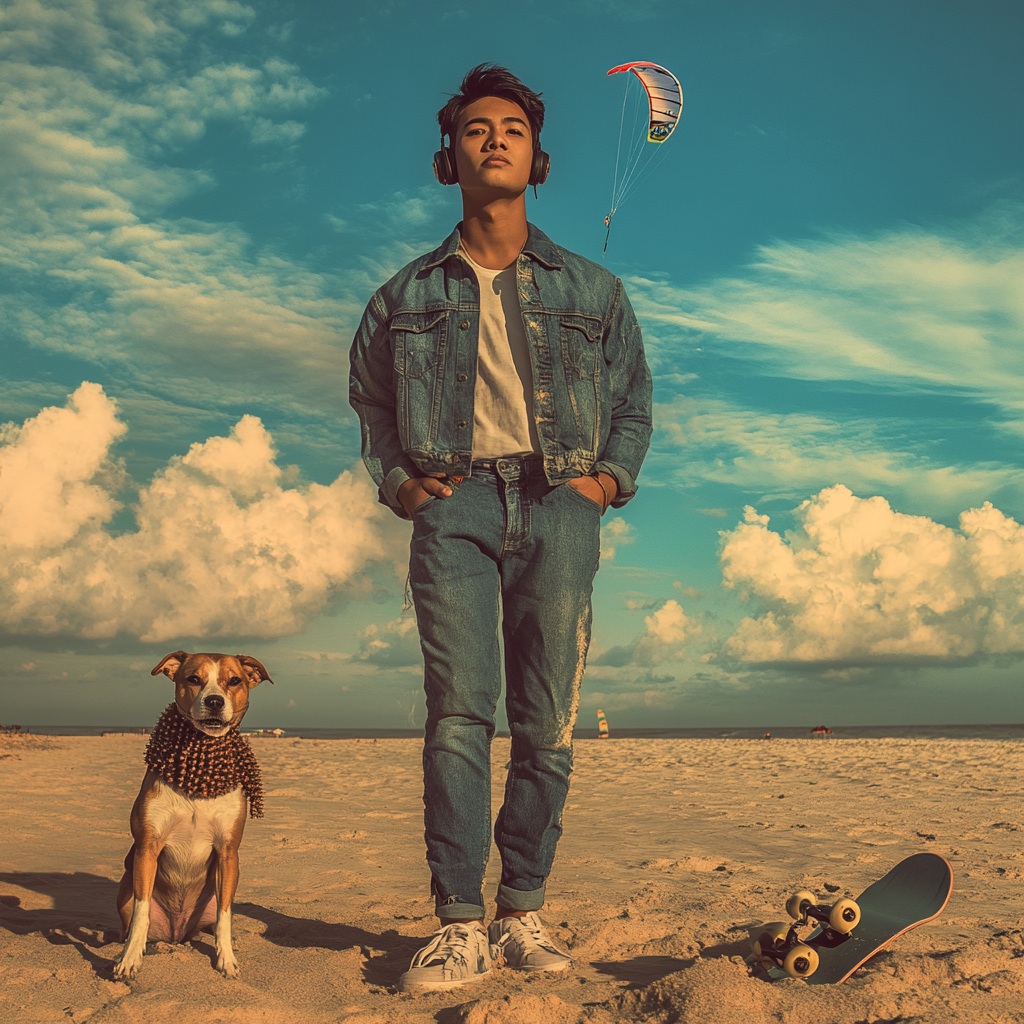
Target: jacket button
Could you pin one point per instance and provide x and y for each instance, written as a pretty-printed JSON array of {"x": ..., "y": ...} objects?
[
  {"x": 464, "y": 325},
  {"x": 463, "y": 376},
  {"x": 462, "y": 423}
]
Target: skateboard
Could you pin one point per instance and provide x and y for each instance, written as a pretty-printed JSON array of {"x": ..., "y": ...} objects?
[{"x": 848, "y": 932}]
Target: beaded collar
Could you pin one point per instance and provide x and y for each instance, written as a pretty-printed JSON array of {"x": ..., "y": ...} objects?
[{"x": 201, "y": 765}]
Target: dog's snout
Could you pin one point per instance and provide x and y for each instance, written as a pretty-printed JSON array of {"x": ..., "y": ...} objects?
[{"x": 213, "y": 702}]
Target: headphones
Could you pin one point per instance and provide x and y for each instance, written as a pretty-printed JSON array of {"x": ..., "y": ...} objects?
[{"x": 447, "y": 173}]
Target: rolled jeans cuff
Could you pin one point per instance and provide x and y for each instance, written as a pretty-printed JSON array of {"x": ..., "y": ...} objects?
[
  {"x": 460, "y": 911},
  {"x": 516, "y": 899}
]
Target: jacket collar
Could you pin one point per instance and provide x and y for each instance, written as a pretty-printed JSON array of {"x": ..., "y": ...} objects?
[{"x": 538, "y": 246}]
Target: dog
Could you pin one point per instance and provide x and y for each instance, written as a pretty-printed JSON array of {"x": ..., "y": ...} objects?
[{"x": 187, "y": 821}]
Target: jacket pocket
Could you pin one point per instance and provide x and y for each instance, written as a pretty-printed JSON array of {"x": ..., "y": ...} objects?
[
  {"x": 417, "y": 338},
  {"x": 580, "y": 341}
]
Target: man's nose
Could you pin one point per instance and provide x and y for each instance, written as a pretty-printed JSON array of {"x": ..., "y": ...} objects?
[
  {"x": 213, "y": 702},
  {"x": 495, "y": 142}
]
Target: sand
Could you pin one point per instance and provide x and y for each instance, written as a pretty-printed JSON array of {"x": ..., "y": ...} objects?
[{"x": 674, "y": 849}]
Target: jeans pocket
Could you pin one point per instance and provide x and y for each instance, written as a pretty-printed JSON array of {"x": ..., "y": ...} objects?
[
  {"x": 428, "y": 500},
  {"x": 582, "y": 497}
]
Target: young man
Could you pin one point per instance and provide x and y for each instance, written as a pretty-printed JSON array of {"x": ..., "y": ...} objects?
[{"x": 505, "y": 403}]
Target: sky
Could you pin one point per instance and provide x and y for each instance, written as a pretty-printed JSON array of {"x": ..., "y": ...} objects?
[{"x": 826, "y": 260}]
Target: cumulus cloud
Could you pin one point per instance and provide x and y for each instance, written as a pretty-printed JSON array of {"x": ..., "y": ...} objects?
[
  {"x": 615, "y": 533},
  {"x": 223, "y": 547},
  {"x": 906, "y": 309},
  {"x": 668, "y": 630},
  {"x": 859, "y": 583},
  {"x": 669, "y": 633},
  {"x": 792, "y": 454},
  {"x": 394, "y": 644},
  {"x": 49, "y": 469}
]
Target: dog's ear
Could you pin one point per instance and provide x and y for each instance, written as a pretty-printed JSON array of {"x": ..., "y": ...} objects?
[
  {"x": 254, "y": 670},
  {"x": 170, "y": 664}
]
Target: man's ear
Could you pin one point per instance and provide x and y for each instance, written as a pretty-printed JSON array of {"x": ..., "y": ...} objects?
[
  {"x": 254, "y": 670},
  {"x": 170, "y": 664}
]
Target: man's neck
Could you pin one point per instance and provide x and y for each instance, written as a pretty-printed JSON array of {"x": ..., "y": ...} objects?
[{"x": 494, "y": 233}]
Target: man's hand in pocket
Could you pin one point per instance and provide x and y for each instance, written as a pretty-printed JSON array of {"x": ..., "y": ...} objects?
[{"x": 416, "y": 490}]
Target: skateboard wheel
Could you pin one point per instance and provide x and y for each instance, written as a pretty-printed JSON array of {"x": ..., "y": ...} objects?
[
  {"x": 844, "y": 916},
  {"x": 794, "y": 901},
  {"x": 801, "y": 961},
  {"x": 770, "y": 937}
]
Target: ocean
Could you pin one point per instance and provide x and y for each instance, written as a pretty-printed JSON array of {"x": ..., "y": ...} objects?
[{"x": 852, "y": 732}]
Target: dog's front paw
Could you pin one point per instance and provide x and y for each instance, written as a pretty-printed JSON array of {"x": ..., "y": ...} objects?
[
  {"x": 125, "y": 967},
  {"x": 227, "y": 964}
]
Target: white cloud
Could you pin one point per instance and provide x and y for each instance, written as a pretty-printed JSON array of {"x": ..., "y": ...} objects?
[
  {"x": 222, "y": 547},
  {"x": 286, "y": 132},
  {"x": 669, "y": 634},
  {"x": 792, "y": 454},
  {"x": 905, "y": 309},
  {"x": 406, "y": 212},
  {"x": 140, "y": 72},
  {"x": 95, "y": 99},
  {"x": 392, "y": 645},
  {"x": 49, "y": 468},
  {"x": 860, "y": 583},
  {"x": 668, "y": 631},
  {"x": 668, "y": 624},
  {"x": 403, "y": 226},
  {"x": 615, "y": 533},
  {"x": 322, "y": 656},
  {"x": 232, "y": 92}
]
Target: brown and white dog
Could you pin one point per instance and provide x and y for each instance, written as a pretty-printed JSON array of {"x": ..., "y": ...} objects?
[{"x": 182, "y": 870}]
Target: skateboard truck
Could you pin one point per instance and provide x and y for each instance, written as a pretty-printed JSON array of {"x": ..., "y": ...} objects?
[
  {"x": 840, "y": 918},
  {"x": 780, "y": 943}
]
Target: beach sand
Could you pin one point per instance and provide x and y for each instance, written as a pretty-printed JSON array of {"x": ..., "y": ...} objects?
[{"x": 674, "y": 849}]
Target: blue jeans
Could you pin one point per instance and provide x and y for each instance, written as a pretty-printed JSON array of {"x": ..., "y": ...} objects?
[{"x": 505, "y": 545}]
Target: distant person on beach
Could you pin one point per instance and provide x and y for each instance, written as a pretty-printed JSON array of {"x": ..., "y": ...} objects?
[{"x": 505, "y": 404}]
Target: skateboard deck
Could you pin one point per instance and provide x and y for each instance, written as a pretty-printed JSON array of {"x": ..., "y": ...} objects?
[{"x": 913, "y": 893}]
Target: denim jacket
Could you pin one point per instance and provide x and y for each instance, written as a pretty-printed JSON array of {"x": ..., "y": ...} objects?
[{"x": 414, "y": 358}]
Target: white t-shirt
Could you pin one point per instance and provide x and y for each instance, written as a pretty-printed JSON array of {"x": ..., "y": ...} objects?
[{"x": 503, "y": 421}]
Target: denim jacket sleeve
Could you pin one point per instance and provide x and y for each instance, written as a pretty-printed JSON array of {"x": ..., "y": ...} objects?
[
  {"x": 630, "y": 378},
  {"x": 372, "y": 395}
]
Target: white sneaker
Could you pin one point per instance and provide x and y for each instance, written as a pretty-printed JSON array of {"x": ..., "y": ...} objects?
[
  {"x": 456, "y": 955},
  {"x": 524, "y": 945}
]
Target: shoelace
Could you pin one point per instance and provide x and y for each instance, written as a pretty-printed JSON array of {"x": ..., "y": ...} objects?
[
  {"x": 533, "y": 934},
  {"x": 451, "y": 941}
]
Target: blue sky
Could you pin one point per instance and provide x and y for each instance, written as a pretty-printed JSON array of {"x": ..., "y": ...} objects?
[{"x": 827, "y": 264}]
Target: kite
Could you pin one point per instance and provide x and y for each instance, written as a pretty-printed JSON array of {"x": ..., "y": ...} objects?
[{"x": 655, "y": 117}]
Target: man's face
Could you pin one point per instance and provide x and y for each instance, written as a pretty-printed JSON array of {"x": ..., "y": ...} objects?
[{"x": 494, "y": 147}]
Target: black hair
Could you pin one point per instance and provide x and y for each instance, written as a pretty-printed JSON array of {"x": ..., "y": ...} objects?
[{"x": 492, "y": 80}]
